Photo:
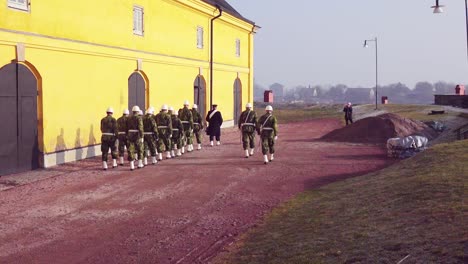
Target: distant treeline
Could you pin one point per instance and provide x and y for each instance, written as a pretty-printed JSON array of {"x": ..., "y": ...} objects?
[{"x": 422, "y": 93}]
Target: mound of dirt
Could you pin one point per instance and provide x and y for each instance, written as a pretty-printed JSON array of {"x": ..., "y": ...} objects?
[{"x": 380, "y": 128}]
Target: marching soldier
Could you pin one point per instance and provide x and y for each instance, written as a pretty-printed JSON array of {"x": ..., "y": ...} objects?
[
  {"x": 163, "y": 121},
  {"x": 267, "y": 128},
  {"x": 177, "y": 133},
  {"x": 150, "y": 136},
  {"x": 197, "y": 125},
  {"x": 247, "y": 123},
  {"x": 122, "y": 135},
  {"x": 108, "y": 138},
  {"x": 185, "y": 116},
  {"x": 135, "y": 137}
]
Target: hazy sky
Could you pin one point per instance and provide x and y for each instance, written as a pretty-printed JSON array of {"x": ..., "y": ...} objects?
[{"x": 321, "y": 42}]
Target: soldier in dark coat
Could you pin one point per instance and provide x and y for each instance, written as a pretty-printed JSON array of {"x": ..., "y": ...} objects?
[
  {"x": 267, "y": 128},
  {"x": 197, "y": 125},
  {"x": 108, "y": 138},
  {"x": 247, "y": 123},
  {"x": 135, "y": 137},
  {"x": 215, "y": 120},
  {"x": 122, "y": 135},
  {"x": 348, "y": 116}
]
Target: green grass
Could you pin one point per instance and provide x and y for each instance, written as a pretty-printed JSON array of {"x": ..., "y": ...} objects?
[
  {"x": 416, "y": 207},
  {"x": 416, "y": 112},
  {"x": 297, "y": 113}
]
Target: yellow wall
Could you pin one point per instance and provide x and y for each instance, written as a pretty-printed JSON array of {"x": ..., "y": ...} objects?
[{"x": 85, "y": 51}]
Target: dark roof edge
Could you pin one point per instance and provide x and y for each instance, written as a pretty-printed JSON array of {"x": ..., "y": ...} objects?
[{"x": 226, "y": 7}]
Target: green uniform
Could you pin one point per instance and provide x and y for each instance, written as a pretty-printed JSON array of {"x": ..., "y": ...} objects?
[
  {"x": 185, "y": 116},
  {"x": 150, "y": 134},
  {"x": 177, "y": 132},
  {"x": 134, "y": 136},
  {"x": 108, "y": 138},
  {"x": 122, "y": 134},
  {"x": 247, "y": 123},
  {"x": 197, "y": 125},
  {"x": 163, "y": 121},
  {"x": 267, "y": 128}
]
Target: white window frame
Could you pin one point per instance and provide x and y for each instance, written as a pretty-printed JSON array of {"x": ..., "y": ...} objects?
[
  {"x": 138, "y": 29},
  {"x": 200, "y": 36},
  {"x": 238, "y": 48},
  {"x": 14, "y": 4}
]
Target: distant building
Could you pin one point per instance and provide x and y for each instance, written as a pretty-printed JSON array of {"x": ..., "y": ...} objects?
[
  {"x": 62, "y": 63},
  {"x": 278, "y": 91},
  {"x": 459, "y": 99},
  {"x": 359, "y": 95}
]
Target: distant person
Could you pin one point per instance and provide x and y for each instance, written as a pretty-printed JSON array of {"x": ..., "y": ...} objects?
[
  {"x": 215, "y": 120},
  {"x": 348, "y": 116}
]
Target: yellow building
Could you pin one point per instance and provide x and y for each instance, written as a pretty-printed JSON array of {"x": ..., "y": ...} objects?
[{"x": 62, "y": 63}]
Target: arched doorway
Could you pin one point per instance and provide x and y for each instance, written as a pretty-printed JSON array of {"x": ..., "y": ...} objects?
[
  {"x": 199, "y": 95},
  {"x": 136, "y": 91},
  {"x": 19, "y": 147},
  {"x": 237, "y": 95}
]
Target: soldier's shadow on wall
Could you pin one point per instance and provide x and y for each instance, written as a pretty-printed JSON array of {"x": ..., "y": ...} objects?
[
  {"x": 91, "y": 143},
  {"x": 60, "y": 148},
  {"x": 78, "y": 149}
]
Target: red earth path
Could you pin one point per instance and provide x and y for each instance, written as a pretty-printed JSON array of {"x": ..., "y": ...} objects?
[{"x": 180, "y": 211}]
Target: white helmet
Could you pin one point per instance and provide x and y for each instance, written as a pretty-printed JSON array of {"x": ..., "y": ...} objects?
[
  {"x": 110, "y": 110},
  {"x": 151, "y": 108},
  {"x": 186, "y": 102},
  {"x": 136, "y": 108},
  {"x": 150, "y": 111},
  {"x": 164, "y": 107},
  {"x": 269, "y": 108},
  {"x": 195, "y": 106},
  {"x": 140, "y": 112},
  {"x": 126, "y": 112},
  {"x": 171, "y": 108},
  {"x": 175, "y": 113},
  {"x": 248, "y": 105}
]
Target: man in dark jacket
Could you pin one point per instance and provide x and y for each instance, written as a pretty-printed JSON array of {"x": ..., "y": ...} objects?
[
  {"x": 215, "y": 120},
  {"x": 348, "y": 116}
]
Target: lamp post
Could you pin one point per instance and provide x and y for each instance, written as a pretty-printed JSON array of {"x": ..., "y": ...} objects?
[
  {"x": 438, "y": 9},
  {"x": 376, "y": 67}
]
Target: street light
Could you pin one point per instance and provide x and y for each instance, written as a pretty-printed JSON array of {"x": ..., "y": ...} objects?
[
  {"x": 376, "y": 67},
  {"x": 438, "y": 9}
]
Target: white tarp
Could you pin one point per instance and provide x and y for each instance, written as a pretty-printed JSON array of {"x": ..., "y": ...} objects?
[{"x": 396, "y": 146}]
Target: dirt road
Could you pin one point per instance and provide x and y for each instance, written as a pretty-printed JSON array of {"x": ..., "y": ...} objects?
[{"x": 179, "y": 211}]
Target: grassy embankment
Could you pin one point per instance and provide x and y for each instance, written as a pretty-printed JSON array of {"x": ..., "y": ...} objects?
[{"x": 416, "y": 208}]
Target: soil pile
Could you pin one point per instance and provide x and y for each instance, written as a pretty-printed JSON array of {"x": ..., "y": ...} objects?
[{"x": 380, "y": 128}]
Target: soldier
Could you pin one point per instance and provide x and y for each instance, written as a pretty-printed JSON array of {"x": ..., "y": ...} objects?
[
  {"x": 215, "y": 120},
  {"x": 141, "y": 147},
  {"x": 247, "y": 123},
  {"x": 150, "y": 136},
  {"x": 185, "y": 116},
  {"x": 134, "y": 137},
  {"x": 177, "y": 133},
  {"x": 197, "y": 125},
  {"x": 122, "y": 136},
  {"x": 108, "y": 138},
  {"x": 267, "y": 128},
  {"x": 163, "y": 121}
]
